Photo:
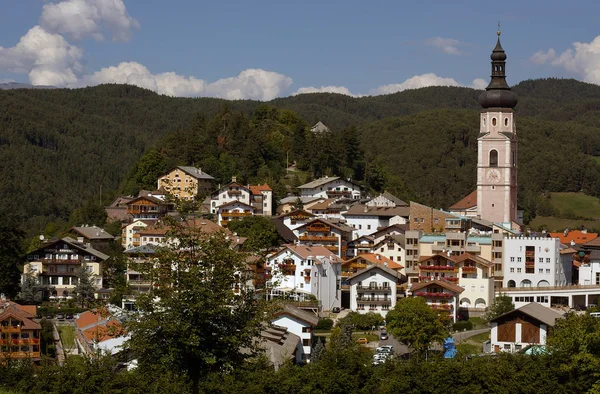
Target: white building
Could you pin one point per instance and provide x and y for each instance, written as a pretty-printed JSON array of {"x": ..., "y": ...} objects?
[
  {"x": 374, "y": 289},
  {"x": 522, "y": 327},
  {"x": 302, "y": 270},
  {"x": 386, "y": 200},
  {"x": 130, "y": 237},
  {"x": 440, "y": 295},
  {"x": 233, "y": 210},
  {"x": 259, "y": 197},
  {"x": 331, "y": 187},
  {"x": 301, "y": 323},
  {"x": 393, "y": 247},
  {"x": 368, "y": 219},
  {"x": 296, "y": 218},
  {"x": 534, "y": 262}
]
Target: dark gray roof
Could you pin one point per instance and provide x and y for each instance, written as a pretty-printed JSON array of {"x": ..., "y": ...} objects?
[
  {"x": 539, "y": 312},
  {"x": 284, "y": 231},
  {"x": 195, "y": 172},
  {"x": 92, "y": 232},
  {"x": 82, "y": 246},
  {"x": 365, "y": 210},
  {"x": 394, "y": 199}
]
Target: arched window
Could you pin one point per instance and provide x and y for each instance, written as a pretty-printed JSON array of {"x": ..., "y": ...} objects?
[
  {"x": 493, "y": 158},
  {"x": 505, "y": 121},
  {"x": 511, "y": 283},
  {"x": 525, "y": 283}
]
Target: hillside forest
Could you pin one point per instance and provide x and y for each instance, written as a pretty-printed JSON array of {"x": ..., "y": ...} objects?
[{"x": 67, "y": 153}]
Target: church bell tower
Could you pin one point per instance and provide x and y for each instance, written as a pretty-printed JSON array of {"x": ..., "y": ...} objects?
[{"x": 497, "y": 147}]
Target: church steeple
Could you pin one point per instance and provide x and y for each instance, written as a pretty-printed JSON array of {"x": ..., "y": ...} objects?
[{"x": 498, "y": 94}]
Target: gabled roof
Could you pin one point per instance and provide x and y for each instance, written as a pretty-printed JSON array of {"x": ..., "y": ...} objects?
[
  {"x": 192, "y": 171},
  {"x": 400, "y": 239},
  {"x": 387, "y": 270},
  {"x": 394, "y": 199},
  {"x": 304, "y": 251},
  {"x": 468, "y": 256},
  {"x": 14, "y": 310},
  {"x": 235, "y": 202},
  {"x": 319, "y": 127},
  {"x": 318, "y": 182},
  {"x": 329, "y": 222},
  {"x": 323, "y": 204},
  {"x": 284, "y": 231},
  {"x": 92, "y": 232},
  {"x": 594, "y": 243},
  {"x": 442, "y": 283},
  {"x": 296, "y": 212},
  {"x": 374, "y": 259},
  {"x": 537, "y": 311},
  {"x": 368, "y": 238},
  {"x": 577, "y": 236},
  {"x": 257, "y": 189},
  {"x": 365, "y": 210},
  {"x": 75, "y": 244},
  {"x": 468, "y": 202},
  {"x": 304, "y": 199},
  {"x": 400, "y": 228},
  {"x": 153, "y": 200},
  {"x": 306, "y": 317}
]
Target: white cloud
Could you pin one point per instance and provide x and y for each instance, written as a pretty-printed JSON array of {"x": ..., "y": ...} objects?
[
  {"x": 6, "y": 80},
  {"x": 541, "y": 57},
  {"x": 83, "y": 18},
  {"x": 479, "y": 84},
  {"x": 326, "y": 89},
  {"x": 445, "y": 45},
  {"x": 255, "y": 84},
  {"x": 48, "y": 58},
  {"x": 416, "y": 82},
  {"x": 583, "y": 59}
]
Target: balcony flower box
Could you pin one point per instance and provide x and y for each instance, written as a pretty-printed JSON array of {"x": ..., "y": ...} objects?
[
  {"x": 467, "y": 268},
  {"x": 15, "y": 341},
  {"x": 436, "y": 267}
]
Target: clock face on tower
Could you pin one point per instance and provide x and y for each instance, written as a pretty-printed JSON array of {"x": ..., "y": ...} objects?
[{"x": 493, "y": 175}]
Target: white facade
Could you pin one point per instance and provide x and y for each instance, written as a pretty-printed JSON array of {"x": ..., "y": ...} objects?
[
  {"x": 232, "y": 211},
  {"x": 373, "y": 290},
  {"x": 479, "y": 288},
  {"x": 381, "y": 201},
  {"x": 326, "y": 283},
  {"x": 130, "y": 234},
  {"x": 229, "y": 193},
  {"x": 368, "y": 224},
  {"x": 297, "y": 275},
  {"x": 392, "y": 249},
  {"x": 299, "y": 328},
  {"x": 589, "y": 274},
  {"x": 518, "y": 344},
  {"x": 330, "y": 188},
  {"x": 534, "y": 262}
]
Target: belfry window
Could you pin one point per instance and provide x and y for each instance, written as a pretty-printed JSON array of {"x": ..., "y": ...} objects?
[{"x": 493, "y": 158}]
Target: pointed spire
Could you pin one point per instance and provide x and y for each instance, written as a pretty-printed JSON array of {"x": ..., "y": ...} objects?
[{"x": 498, "y": 92}]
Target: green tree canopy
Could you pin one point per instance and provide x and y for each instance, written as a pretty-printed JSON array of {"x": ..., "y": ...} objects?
[
  {"x": 415, "y": 324},
  {"x": 260, "y": 231},
  {"x": 499, "y": 306}
]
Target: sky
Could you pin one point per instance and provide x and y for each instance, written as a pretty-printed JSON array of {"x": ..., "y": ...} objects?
[{"x": 242, "y": 49}]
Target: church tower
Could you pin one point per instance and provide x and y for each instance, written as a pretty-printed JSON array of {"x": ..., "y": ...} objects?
[{"x": 497, "y": 147}]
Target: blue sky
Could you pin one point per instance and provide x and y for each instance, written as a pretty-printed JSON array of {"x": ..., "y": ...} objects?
[{"x": 264, "y": 49}]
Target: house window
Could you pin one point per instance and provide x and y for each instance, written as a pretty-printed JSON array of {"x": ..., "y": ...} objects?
[
  {"x": 305, "y": 329},
  {"x": 518, "y": 259},
  {"x": 541, "y": 270},
  {"x": 512, "y": 259},
  {"x": 512, "y": 270},
  {"x": 518, "y": 270},
  {"x": 547, "y": 259},
  {"x": 541, "y": 259},
  {"x": 306, "y": 342},
  {"x": 598, "y": 278},
  {"x": 548, "y": 271}
]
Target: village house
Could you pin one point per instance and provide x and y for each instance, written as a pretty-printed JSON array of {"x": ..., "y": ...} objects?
[
  {"x": 327, "y": 209},
  {"x": 99, "y": 332},
  {"x": 331, "y": 187},
  {"x": 19, "y": 333},
  {"x": 440, "y": 295},
  {"x": 327, "y": 233},
  {"x": 522, "y": 327},
  {"x": 466, "y": 207},
  {"x": 280, "y": 345},
  {"x": 428, "y": 219},
  {"x": 130, "y": 237},
  {"x": 55, "y": 264},
  {"x": 375, "y": 289},
  {"x": 147, "y": 208},
  {"x": 299, "y": 271},
  {"x": 368, "y": 219},
  {"x": 574, "y": 237},
  {"x": 252, "y": 199},
  {"x": 300, "y": 323},
  {"x": 186, "y": 183},
  {"x": 359, "y": 245},
  {"x": 291, "y": 203},
  {"x": 296, "y": 218},
  {"x": 392, "y": 247},
  {"x": 386, "y": 200},
  {"x": 117, "y": 210},
  {"x": 233, "y": 210},
  {"x": 94, "y": 236},
  {"x": 534, "y": 262}
]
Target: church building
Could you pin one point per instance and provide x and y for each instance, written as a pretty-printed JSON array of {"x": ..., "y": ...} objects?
[{"x": 496, "y": 192}]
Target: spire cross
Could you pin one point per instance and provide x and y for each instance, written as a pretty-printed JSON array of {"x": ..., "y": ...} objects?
[{"x": 498, "y": 28}]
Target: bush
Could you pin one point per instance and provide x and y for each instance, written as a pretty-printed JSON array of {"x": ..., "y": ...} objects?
[
  {"x": 462, "y": 325},
  {"x": 362, "y": 321},
  {"x": 325, "y": 324}
]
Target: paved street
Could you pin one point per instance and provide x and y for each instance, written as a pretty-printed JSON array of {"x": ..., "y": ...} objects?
[{"x": 461, "y": 336}]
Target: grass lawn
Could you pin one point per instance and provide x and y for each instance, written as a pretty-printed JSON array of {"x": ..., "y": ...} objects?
[
  {"x": 484, "y": 336},
  {"x": 67, "y": 336},
  {"x": 557, "y": 224},
  {"x": 469, "y": 348},
  {"x": 370, "y": 337},
  {"x": 579, "y": 203}
]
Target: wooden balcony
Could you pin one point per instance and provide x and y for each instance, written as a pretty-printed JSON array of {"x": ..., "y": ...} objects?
[
  {"x": 467, "y": 269},
  {"x": 56, "y": 261},
  {"x": 334, "y": 249},
  {"x": 339, "y": 193},
  {"x": 318, "y": 238},
  {"x": 374, "y": 289},
  {"x": 318, "y": 228},
  {"x": 374, "y": 300},
  {"x": 235, "y": 214},
  {"x": 438, "y": 268},
  {"x": 234, "y": 192},
  {"x": 139, "y": 211},
  {"x": 441, "y": 307}
]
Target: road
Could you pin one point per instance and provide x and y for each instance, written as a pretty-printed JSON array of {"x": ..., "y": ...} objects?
[{"x": 463, "y": 335}]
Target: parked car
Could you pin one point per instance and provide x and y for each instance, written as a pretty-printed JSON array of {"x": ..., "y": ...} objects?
[
  {"x": 49, "y": 316},
  {"x": 383, "y": 336},
  {"x": 362, "y": 341},
  {"x": 336, "y": 309},
  {"x": 69, "y": 317},
  {"x": 60, "y": 316}
]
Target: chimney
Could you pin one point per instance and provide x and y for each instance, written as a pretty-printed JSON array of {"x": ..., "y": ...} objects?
[
  {"x": 80, "y": 239},
  {"x": 234, "y": 179}
]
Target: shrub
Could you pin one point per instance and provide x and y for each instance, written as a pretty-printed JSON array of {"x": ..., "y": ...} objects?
[
  {"x": 362, "y": 321},
  {"x": 325, "y": 324}
]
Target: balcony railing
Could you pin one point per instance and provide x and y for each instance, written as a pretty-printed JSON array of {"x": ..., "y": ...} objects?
[
  {"x": 441, "y": 307},
  {"x": 374, "y": 300},
  {"x": 430, "y": 278},
  {"x": 468, "y": 268},
  {"x": 235, "y": 214},
  {"x": 322, "y": 238},
  {"x": 331, "y": 248},
  {"x": 338, "y": 193},
  {"x": 429, "y": 294},
  {"x": 56, "y": 261},
  {"x": 318, "y": 228},
  {"x": 234, "y": 192},
  {"x": 373, "y": 288},
  {"x": 444, "y": 268}
]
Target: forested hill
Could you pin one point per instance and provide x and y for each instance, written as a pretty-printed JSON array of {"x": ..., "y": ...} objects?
[{"x": 60, "y": 148}]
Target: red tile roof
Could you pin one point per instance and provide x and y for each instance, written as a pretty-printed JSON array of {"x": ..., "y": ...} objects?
[
  {"x": 256, "y": 189},
  {"x": 375, "y": 258},
  {"x": 579, "y": 237},
  {"x": 442, "y": 283},
  {"x": 470, "y": 201}
]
